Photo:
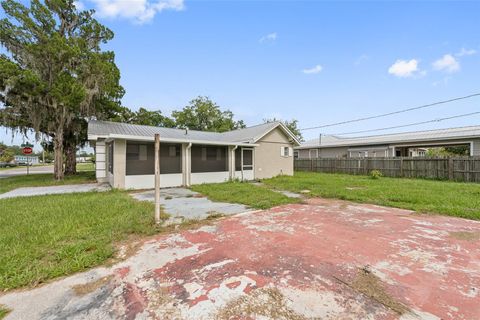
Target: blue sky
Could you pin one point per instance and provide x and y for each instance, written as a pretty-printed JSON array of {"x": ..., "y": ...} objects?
[{"x": 318, "y": 62}]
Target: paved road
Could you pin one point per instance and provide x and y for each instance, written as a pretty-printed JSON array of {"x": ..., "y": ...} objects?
[
  {"x": 325, "y": 259},
  {"x": 68, "y": 188},
  {"x": 20, "y": 171}
]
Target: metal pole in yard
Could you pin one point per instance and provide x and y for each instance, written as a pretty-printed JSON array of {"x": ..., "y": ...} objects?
[{"x": 157, "y": 178}]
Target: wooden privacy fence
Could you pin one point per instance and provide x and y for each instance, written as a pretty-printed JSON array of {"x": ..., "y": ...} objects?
[{"x": 466, "y": 169}]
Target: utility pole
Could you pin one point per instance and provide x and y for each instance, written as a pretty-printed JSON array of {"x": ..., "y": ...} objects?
[{"x": 157, "y": 178}]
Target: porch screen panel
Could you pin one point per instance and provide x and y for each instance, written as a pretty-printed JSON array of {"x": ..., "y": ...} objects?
[
  {"x": 110, "y": 157},
  {"x": 209, "y": 158},
  {"x": 247, "y": 159},
  {"x": 140, "y": 158}
]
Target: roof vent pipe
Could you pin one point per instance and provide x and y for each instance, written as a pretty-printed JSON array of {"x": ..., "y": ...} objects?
[
  {"x": 320, "y": 139},
  {"x": 186, "y": 130}
]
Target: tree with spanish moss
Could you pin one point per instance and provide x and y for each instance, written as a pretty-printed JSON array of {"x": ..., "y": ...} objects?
[{"x": 55, "y": 73}]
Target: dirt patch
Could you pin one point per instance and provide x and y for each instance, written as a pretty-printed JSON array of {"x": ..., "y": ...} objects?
[
  {"x": 266, "y": 302},
  {"x": 465, "y": 235},
  {"x": 356, "y": 188},
  {"x": 370, "y": 285},
  {"x": 86, "y": 288}
]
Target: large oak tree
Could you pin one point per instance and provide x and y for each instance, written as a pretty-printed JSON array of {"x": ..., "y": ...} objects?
[{"x": 56, "y": 74}]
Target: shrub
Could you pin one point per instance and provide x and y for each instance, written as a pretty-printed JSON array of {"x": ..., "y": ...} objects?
[{"x": 375, "y": 174}]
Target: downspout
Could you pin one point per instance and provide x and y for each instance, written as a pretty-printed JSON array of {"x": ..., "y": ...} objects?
[
  {"x": 232, "y": 163},
  {"x": 188, "y": 169}
]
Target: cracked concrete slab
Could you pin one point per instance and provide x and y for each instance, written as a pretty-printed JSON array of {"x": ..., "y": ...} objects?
[
  {"x": 187, "y": 204},
  {"x": 297, "y": 261}
]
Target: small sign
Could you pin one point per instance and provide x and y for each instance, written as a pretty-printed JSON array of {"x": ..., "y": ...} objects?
[{"x": 27, "y": 150}]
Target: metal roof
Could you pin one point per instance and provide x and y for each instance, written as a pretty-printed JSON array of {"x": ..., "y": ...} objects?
[
  {"x": 328, "y": 141},
  {"x": 106, "y": 129}
]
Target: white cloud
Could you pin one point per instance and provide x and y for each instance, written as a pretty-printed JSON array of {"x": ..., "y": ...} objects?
[
  {"x": 405, "y": 69},
  {"x": 447, "y": 63},
  {"x": 465, "y": 52},
  {"x": 314, "y": 70},
  {"x": 271, "y": 37},
  {"x": 140, "y": 11},
  {"x": 79, "y": 5},
  {"x": 363, "y": 58}
]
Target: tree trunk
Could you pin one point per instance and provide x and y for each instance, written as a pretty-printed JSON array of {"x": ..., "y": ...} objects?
[
  {"x": 70, "y": 158},
  {"x": 58, "y": 157}
]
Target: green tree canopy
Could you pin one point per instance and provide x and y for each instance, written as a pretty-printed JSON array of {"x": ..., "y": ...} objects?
[
  {"x": 56, "y": 74},
  {"x": 205, "y": 115},
  {"x": 142, "y": 117}
]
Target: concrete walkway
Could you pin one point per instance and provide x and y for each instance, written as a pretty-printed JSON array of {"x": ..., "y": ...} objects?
[
  {"x": 40, "y": 191},
  {"x": 325, "y": 259},
  {"x": 187, "y": 204}
]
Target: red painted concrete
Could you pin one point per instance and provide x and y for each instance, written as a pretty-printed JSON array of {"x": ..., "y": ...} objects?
[
  {"x": 311, "y": 247},
  {"x": 309, "y": 252}
]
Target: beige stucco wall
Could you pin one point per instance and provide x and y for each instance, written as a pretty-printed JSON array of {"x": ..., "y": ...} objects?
[
  {"x": 268, "y": 160},
  {"x": 337, "y": 152},
  {"x": 119, "y": 166}
]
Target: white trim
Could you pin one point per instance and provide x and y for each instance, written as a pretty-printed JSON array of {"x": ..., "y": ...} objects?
[
  {"x": 209, "y": 177},
  {"x": 248, "y": 175},
  {"x": 147, "y": 181}
]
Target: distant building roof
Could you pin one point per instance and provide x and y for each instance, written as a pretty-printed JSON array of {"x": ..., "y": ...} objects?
[
  {"x": 328, "y": 141},
  {"x": 250, "y": 135}
]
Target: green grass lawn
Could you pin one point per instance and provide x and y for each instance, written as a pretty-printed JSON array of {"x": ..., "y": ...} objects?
[
  {"x": 87, "y": 166},
  {"x": 40, "y": 180},
  {"x": 45, "y": 237},
  {"x": 3, "y": 312},
  {"x": 244, "y": 193},
  {"x": 427, "y": 196}
]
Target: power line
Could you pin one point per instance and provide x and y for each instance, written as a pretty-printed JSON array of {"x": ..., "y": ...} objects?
[
  {"x": 394, "y": 112},
  {"x": 410, "y": 124}
]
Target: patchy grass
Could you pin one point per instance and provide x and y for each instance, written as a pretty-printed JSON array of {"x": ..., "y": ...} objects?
[
  {"x": 425, "y": 196},
  {"x": 244, "y": 193},
  {"x": 40, "y": 180},
  {"x": 3, "y": 312},
  {"x": 44, "y": 237},
  {"x": 261, "y": 303},
  {"x": 87, "y": 166}
]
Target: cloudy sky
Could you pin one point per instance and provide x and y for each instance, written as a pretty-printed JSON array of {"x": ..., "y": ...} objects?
[{"x": 315, "y": 61}]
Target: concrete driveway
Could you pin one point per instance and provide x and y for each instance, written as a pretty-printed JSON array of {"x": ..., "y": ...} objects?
[{"x": 325, "y": 259}]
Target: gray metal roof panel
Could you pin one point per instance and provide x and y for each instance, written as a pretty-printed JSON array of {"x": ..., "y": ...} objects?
[
  {"x": 246, "y": 135},
  {"x": 406, "y": 137}
]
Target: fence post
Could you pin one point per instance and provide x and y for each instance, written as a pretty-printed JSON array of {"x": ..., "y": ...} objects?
[
  {"x": 401, "y": 167},
  {"x": 450, "y": 169}
]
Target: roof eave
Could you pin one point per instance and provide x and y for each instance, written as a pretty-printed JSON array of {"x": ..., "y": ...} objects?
[{"x": 172, "y": 140}]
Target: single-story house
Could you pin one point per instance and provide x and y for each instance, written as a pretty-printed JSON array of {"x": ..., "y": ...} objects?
[
  {"x": 125, "y": 154},
  {"x": 408, "y": 144}
]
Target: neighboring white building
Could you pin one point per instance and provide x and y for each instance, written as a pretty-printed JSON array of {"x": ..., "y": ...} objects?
[{"x": 407, "y": 144}]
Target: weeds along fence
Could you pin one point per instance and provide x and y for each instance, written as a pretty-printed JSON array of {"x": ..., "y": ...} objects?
[{"x": 465, "y": 169}]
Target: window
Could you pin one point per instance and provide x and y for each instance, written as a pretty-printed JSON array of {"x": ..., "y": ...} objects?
[
  {"x": 295, "y": 155},
  {"x": 209, "y": 159},
  {"x": 140, "y": 158},
  {"x": 285, "y": 151},
  {"x": 172, "y": 151},
  {"x": 110, "y": 157}
]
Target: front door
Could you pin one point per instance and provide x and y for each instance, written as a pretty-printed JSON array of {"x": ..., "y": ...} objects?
[{"x": 247, "y": 164}]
